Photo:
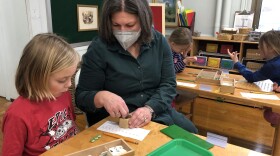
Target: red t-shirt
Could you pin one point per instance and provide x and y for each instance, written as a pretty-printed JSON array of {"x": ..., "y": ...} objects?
[{"x": 31, "y": 128}]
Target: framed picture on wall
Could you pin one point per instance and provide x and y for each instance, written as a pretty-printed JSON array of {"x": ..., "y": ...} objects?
[
  {"x": 171, "y": 10},
  {"x": 87, "y": 17}
]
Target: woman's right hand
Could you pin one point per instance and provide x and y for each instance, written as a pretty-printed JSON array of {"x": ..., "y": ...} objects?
[
  {"x": 233, "y": 56},
  {"x": 276, "y": 87},
  {"x": 113, "y": 104}
]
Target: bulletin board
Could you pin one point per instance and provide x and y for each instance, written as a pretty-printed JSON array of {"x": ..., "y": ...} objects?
[{"x": 65, "y": 22}]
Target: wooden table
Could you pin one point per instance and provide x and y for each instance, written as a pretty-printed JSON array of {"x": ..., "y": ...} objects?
[
  {"x": 189, "y": 74},
  {"x": 154, "y": 140}
]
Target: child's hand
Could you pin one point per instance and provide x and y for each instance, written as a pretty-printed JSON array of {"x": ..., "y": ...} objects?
[
  {"x": 233, "y": 56},
  {"x": 191, "y": 59},
  {"x": 276, "y": 87}
]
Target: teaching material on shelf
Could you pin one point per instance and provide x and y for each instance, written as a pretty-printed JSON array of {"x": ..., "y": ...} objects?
[
  {"x": 227, "y": 85},
  {"x": 240, "y": 37},
  {"x": 113, "y": 127},
  {"x": 224, "y": 36},
  {"x": 213, "y": 62},
  {"x": 244, "y": 30},
  {"x": 227, "y": 64},
  {"x": 260, "y": 86},
  {"x": 253, "y": 54},
  {"x": 225, "y": 48},
  {"x": 107, "y": 149},
  {"x": 229, "y": 30},
  {"x": 209, "y": 76},
  {"x": 201, "y": 61},
  {"x": 211, "y": 47},
  {"x": 254, "y": 36},
  {"x": 180, "y": 147},
  {"x": 253, "y": 65}
]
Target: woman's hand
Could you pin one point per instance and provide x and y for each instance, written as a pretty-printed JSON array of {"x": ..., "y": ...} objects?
[
  {"x": 140, "y": 117},
  {"x": 233, "y": 56},
  {"x": 113, "y": 104},
  {"x": 276, "y": 87}
]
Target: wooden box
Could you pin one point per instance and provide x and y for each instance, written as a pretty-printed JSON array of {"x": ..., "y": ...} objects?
[
  {"x": 240, "y": 37},
  {"x": 209, "y": 76},
  {"x": 253, "y": 54},
  {"x": 97, "y": 150},
  {"x": 213, "y": 62},
  {"x": 225, "y": 48},
  {"x": 226, "y": 64},
  {"x": 210, "y": 47},
  {"x": 227, "y": 85},
  {"x": 201, "y": 61},
  {"x": 244, "y": 30},
  {"x": 224, "y": 36},
  {"x": 254, "y": 65}
]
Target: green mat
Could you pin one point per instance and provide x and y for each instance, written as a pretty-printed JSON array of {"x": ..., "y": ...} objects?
[{"x": 175, "y": 132}]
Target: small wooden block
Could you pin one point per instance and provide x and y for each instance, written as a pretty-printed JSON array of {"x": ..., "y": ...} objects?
[{"x": 123, "y": 122}]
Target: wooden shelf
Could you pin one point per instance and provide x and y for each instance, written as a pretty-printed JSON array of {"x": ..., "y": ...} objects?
[{"x": 200, "y": 44}]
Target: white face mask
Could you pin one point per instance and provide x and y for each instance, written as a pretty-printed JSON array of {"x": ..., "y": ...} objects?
[{"x": 126, "y": 38}]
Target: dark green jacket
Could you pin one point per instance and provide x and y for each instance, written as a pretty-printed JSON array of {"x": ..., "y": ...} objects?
[{"x": 147, "y": 80}]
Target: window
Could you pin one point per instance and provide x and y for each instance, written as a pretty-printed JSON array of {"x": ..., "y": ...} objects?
[{"x": 267, "y": 14}]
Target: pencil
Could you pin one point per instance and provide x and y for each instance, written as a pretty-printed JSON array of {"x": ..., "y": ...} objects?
[
  {"x": 186, "y": 80},
  {"x": 121, "y": 137},
  {"x": 268, "y": 93}
]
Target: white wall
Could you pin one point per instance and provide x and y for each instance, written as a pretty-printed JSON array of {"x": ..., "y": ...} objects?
[
  {"x": 14, "y": 34},
  {"x": 206, "y": 13}
]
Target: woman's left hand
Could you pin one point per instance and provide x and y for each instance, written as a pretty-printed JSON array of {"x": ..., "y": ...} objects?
[{"x": 140, "y": 117}]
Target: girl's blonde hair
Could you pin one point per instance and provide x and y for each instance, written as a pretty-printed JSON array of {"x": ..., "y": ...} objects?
[
  {"x": 181, "y": 36},
  {"x": 44, "y": 55},
  {"x": 272, "y": 40}
]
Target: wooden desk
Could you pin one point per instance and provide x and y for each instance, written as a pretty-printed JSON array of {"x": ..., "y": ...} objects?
[
  {"x": 237, "y": 119},
  {"x": 154, "y": 140}
]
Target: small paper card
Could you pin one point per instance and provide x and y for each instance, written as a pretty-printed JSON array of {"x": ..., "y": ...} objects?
[
  {"x": 113, "y": 127},
  {"x": 217, "y": 140}
]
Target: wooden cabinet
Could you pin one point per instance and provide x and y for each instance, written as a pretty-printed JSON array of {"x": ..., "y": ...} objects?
[
  {"x": 218, "y": 49},
  {"x": 232, "y": 120}
]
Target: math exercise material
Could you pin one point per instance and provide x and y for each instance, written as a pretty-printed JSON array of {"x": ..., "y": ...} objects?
[{"x": 113, "y": 127}]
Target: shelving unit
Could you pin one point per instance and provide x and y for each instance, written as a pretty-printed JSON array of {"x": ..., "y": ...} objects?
[{"x": 200, "y": 44}]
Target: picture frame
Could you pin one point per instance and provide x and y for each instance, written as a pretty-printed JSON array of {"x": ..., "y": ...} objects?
[
  {"x": 171, "y": 12},
  {"x": 87, "y": 16}
]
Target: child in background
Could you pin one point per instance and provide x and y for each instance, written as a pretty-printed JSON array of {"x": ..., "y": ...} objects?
[
  {"x": 42, "y": 116},
  {"x": 180, "y": 42},
  {"x": 269, "y": 46}
]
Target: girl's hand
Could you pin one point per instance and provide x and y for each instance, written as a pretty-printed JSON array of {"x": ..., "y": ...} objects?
[
  {"x": 233, "y": 56},
  {"x": 191, "y": 59},
  {"x": 140, "y": 117},
  {"x": 113, "y": 104}
]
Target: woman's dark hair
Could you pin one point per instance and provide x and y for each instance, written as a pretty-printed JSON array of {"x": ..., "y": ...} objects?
[{"x": 140, "y": 8}]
